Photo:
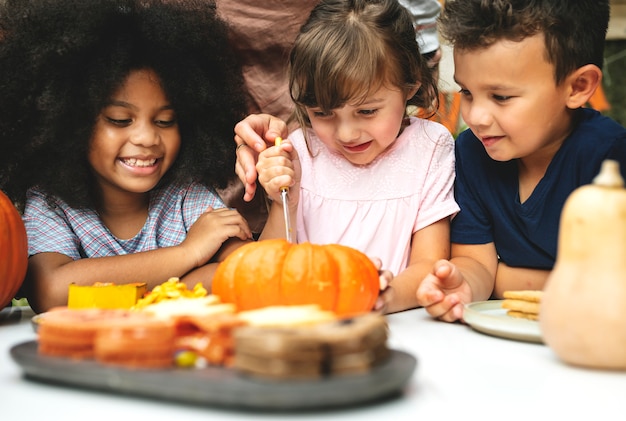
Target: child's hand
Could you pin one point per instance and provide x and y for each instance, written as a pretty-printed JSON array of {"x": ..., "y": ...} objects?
[
  {"x": 211, "y": 230},
  {"x": 256, "y": 132},
  {"x": 443, "y": 292},
  {"x": 279, "y": 166},
  {"x": 386, "y": 292}
]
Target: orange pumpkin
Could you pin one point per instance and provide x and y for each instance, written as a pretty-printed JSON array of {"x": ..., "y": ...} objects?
[
  {"x": 276, "y": 272},
  {"x": 13, "y": 250}
]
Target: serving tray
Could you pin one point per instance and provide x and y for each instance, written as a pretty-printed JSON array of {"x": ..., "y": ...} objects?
[{"x": 219, "y": 386}]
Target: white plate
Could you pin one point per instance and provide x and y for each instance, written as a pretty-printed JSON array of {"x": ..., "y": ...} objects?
[{"x": 489, "y": 317}]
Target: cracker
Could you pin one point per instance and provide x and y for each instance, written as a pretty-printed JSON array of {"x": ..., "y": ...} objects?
[
  {"x": 523, "y": 306},
  {"x": 526, "y": 295},
  {"x": 522, "y": 315}
]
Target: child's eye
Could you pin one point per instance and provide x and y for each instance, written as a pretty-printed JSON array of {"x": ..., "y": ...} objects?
[
  {"x": 321, "y": 113},
  {"x": 119, "y": 122},
  {"x": 501, "y": 98},
  {"x": 166, "y": 123},
  {"x": 465, "y": 92},
  {"x": 368, "y": 112}
]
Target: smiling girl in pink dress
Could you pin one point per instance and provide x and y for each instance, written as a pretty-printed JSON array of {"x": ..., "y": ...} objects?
[{"x": 361, "y": 173}]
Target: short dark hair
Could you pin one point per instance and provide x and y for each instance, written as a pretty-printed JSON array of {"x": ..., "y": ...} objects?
[
  {"x": 61, "y": 60},
  {"x": 574, "y": 31}
]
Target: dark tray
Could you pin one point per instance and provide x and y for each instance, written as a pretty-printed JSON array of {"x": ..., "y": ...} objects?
[{"x": 218, "y": 386}]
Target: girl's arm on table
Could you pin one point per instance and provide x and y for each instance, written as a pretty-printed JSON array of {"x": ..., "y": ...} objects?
[
  {"x": 428, "y": 245},
  {"x": 50, "y": 274}
]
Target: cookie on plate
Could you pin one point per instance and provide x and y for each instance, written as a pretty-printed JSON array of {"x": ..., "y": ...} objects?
[{"x": 523, "y": 304}]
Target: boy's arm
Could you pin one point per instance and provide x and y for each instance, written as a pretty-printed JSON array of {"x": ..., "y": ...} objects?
[
  {"x": 468, "y": 276},
  {"x": 511, "y": 278},
  {"x": 478, "y": 263}
]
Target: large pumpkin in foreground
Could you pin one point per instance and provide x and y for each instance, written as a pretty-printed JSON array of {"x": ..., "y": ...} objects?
[
  {"x": 276, "y": 272},
  {"x": 13, "y": 250}
]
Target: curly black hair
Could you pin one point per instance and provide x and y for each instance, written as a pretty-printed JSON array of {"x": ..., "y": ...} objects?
[{"x": 61, "y": 60}]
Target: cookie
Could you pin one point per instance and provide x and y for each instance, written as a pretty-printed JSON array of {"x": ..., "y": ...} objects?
[
  {"x": 521, "y": 306},
  {"x": 522, "y": 315},
  {"x": 533, "y": 296}
]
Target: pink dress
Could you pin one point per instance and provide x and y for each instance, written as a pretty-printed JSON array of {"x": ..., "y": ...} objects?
[{"x": 376, "y": 208}]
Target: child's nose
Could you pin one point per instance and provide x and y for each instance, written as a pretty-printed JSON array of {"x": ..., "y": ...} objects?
[
  {"x": 144, "y": 134},
  {"x": 477, "y": 115},
  {"x": 347, "y": 132}
]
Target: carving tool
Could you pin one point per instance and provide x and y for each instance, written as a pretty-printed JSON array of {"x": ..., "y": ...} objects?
[{"x": 284, "y": 196}]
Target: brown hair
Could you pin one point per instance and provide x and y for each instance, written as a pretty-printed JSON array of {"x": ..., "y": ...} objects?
[
  {"x": 574, "y": 31},
  {"x": 348, "y": 49}
]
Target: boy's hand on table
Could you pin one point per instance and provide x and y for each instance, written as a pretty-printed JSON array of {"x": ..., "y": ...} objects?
[{"x": 443, "y": 292}]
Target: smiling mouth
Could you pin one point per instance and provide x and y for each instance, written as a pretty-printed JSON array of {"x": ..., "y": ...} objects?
[
  {"x": 357, "y": 148},
  {"x": 134, "y": 162},
  {"x": 490, "y": 140}
]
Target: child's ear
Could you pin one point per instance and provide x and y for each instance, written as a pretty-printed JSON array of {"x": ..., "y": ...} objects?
[{"x": 583, "y": 82}]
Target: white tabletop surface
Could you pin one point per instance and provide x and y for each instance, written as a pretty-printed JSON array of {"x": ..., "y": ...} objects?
[{"x": 461, "y": 374}]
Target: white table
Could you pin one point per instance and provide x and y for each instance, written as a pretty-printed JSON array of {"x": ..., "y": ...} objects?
[{"x": 461, "y": 374}]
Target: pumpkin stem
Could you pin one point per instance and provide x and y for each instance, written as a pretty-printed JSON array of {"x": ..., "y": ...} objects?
[{"x": 609, "y": 175}]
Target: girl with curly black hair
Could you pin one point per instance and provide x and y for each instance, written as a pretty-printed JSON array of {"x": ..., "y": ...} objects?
[{"x": 116, "y": 127}]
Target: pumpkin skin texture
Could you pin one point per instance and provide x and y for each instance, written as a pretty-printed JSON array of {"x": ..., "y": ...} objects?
[
  {"x": 13, "y": 250},
  {"x": 275, "y": 272},
  {"x": 582, "y": 314}
]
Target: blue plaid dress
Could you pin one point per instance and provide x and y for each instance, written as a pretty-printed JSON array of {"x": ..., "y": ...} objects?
[{"x": 79, "y": 233}]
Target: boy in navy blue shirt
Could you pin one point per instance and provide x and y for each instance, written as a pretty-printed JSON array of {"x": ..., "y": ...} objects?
[{"x": 526, "y": 69}]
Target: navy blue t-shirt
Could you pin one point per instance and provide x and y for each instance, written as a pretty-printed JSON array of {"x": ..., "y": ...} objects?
[{"x": 526, "y": 234}]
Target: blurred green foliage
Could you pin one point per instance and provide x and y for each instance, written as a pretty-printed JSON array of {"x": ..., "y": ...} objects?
[{"x": 614, "y": 80}]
